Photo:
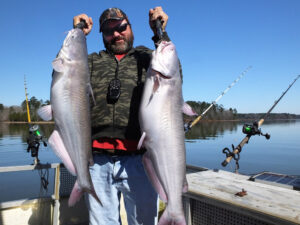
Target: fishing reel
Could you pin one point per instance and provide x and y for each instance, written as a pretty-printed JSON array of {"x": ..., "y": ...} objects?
[
  {"x": 249, "y": 130},
  {"x": 35, "y": 130},
  {"x": 33, "y": 141},
  {"x": 252, "y": 129}
]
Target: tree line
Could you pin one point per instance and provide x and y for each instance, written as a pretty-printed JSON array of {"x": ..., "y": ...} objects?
[
  {"x": 217, "y": 112},
  {"x": 19, "y": 113},
  {"x": 271, "y": 116}
]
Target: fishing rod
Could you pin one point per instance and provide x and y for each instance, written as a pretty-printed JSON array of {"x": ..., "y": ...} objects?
[
  {"x": 250, "y": 130},
  {"x": 189, "y": 125},
  {"x": 27, "y": 105},
  {"x": 35, "y": 136},
  {"x": 158, "y": 27}
]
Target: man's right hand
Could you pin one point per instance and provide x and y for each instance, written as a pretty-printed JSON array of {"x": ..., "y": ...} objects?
[{"x": 88, "y": 21}]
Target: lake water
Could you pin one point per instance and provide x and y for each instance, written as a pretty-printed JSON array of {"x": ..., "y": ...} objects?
[
  {"x": 204, "y": 145},
  {"x": 280, "y": 154}
]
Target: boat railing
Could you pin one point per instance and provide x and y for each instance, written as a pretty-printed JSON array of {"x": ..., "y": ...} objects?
[{"x": 63, "y": 183}]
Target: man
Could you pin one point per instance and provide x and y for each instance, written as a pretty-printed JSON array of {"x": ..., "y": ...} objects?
[{"x": 117, "y": 76}]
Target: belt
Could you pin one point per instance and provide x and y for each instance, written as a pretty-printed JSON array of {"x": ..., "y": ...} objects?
[{"x": 115, "y": 152}]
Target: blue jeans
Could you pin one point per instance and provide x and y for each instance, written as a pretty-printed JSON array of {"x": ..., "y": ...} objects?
[{"x": 113, "y": 175}]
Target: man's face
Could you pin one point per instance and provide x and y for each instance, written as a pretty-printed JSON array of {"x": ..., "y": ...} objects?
[{"x": 117, "y": 36}]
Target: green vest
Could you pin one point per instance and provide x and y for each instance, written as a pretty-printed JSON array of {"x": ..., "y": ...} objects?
[{"x": 119, "y": 120}]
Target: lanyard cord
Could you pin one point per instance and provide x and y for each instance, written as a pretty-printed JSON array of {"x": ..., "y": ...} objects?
[{"x": 114, "y": 105}]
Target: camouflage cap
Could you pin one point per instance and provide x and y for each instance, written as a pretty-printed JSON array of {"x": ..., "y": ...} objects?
[{"x": 111, "y": 14}]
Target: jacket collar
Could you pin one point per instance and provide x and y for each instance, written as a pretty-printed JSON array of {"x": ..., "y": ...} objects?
[{"x": 105, "y": 52}]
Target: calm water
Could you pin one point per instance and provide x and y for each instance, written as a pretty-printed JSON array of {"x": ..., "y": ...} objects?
[
  {"x": 204, "y": 144},
  {"x": 281, "y": 153}
]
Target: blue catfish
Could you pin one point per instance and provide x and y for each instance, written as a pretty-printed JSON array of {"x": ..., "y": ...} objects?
[
  {"x": 70, "y": 89},
  {"x": 161, "y": 122}
]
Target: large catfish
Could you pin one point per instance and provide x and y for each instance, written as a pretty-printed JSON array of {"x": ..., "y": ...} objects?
[
  {"x": 70, "y": 88},
  {"x": 161, "y": 122}
]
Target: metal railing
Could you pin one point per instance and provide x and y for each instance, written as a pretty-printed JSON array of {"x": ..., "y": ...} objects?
[{"x": 55, "y": 197}]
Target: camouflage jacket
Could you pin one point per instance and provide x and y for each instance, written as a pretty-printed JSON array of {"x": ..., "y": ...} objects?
[{"x": 119, "y": 120}]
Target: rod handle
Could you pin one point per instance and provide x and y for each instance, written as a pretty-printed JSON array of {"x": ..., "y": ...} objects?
[
  {"x": 260, "y": 122},
  {"x": 229, "y": 158},
  {"x": 158, "y": 27},
  {"x": 81, "y": 25},
  {"x": 196, "y": 121}
]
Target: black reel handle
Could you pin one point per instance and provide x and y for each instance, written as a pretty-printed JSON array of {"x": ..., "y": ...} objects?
[
  {"x": 158, "y": 27},
  {"x": 81, "y": 25},
  {"x": 267, "y": 136},
  {"x": 228, "y": 153}
]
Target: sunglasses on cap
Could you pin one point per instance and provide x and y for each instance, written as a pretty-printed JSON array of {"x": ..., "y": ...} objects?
[{"x": 119, "y": 28}]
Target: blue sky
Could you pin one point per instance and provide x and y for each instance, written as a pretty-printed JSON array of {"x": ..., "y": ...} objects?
[{"x": 216, "y": 40}]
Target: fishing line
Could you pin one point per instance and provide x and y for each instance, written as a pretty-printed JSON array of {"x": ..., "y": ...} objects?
[
  {"x": 189, "y": 125},
  {"x": 44, "y": 175},
  {"x": 41, "y": 208}
]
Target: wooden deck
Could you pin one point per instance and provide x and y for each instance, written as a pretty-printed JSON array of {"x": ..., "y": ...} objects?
[{"x": 279, "y": 205}]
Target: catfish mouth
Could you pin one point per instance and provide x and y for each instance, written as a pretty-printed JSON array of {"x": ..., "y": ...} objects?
[
  {"x": 166, "y": 46},
  {"x": 73, "y": 35},
  {"x": 161, "y": 75},
  {"x": 70, "y": 36}
]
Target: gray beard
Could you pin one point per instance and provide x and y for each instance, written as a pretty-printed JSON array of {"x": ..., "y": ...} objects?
[{"x": 119, "y": 49}]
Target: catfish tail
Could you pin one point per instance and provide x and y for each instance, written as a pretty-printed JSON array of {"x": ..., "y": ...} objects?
[
  {"x": 77, "y": 192},
  {"x": 169, "y": 219}
]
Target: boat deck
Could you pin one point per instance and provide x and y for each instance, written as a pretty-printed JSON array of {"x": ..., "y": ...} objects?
[
  {"x": 268, "y": 203},
  {"x": 211, "y": 200}
]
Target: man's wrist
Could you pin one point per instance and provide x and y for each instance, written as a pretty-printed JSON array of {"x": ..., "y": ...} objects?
[{"x": 165, "y": 37}]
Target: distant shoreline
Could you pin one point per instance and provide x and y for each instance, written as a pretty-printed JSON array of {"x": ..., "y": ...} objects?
[
  {"x": 237, "y": 120},
  {"x": 34, "y": 122}
]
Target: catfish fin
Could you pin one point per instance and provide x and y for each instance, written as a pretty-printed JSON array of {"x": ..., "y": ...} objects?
[
  {"x": 141, "y": 141},
  {"x": 91, "y": 93},
  {"x": 185, "y": 185},
  {"x": 156, "y": 83},
  {"x": 45, "y": 112},
  {"x": 77, "y": 193},
  {"x": 154, "y": 178},
  {"x": 58, "y": 64},
  {"x": 56, "y": 143},
  {"x": 167, "y": 218},
  {"x": 188, "y": 110}
]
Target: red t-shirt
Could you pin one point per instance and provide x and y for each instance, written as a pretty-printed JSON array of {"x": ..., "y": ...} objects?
[
  {"x": 115, "y": 143},
  {"x": 119, "y": 57}
]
